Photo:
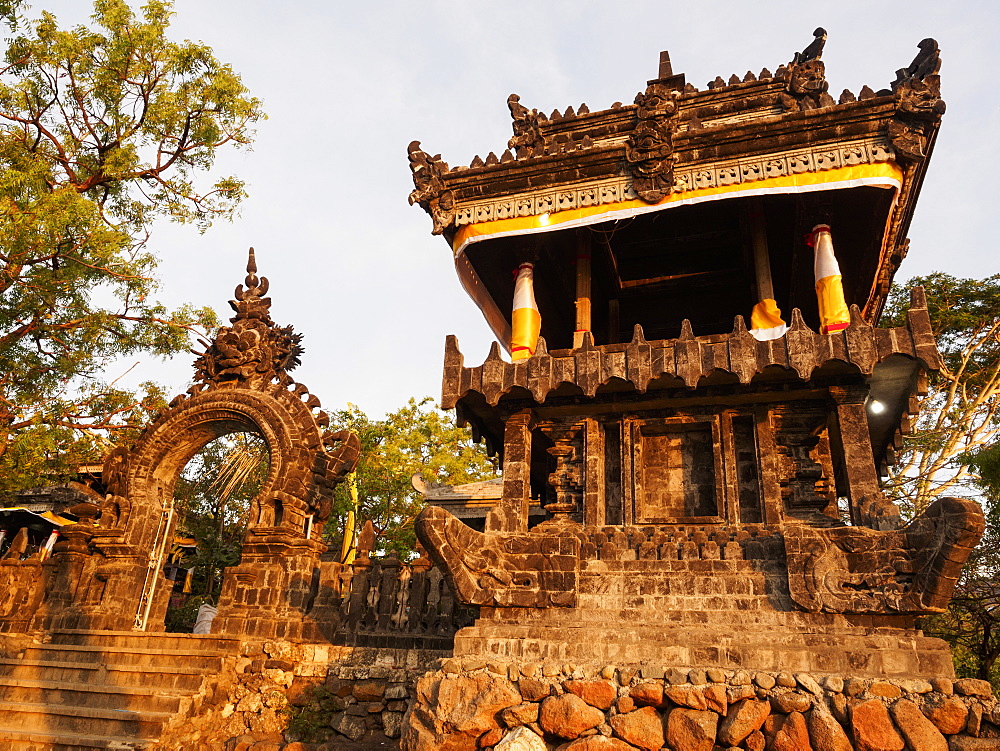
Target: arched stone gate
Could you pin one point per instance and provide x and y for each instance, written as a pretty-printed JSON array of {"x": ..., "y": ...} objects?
[{"x": 109, "y": 576}]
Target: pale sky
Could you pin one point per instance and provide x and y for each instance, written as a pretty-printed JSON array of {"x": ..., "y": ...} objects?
[{"x": 348, "y": 85}]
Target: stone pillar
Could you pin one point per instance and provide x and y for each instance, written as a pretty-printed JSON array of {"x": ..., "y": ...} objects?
[
  {"x": 770, "y": 485},
  {"x": 869, "y": 508},
  {"x": 511, "y": 513}
]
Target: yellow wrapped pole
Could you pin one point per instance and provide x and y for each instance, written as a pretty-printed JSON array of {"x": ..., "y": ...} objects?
[
  {"x": 833, "y": 312},
  {"x": 526, "y": 321},
  {"x": 765, "y": 320},
  {"x": 349, "y": 546}
]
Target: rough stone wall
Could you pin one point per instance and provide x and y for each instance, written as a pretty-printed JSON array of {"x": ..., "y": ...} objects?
[
  {"x": 356, "y": 698},
  {"x": 477, "y": 704}
]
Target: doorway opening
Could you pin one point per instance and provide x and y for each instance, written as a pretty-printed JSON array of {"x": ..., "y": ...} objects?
[{"x": 212, "y": 500}]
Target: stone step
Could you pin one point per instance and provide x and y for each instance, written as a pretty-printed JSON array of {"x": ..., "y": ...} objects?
[
  {"x": 17, "y": 739},
  {"x": 165, "y": 676},
  {"x": 67, "y": 720},
  {"x": 893, "y": 655},
  {"x": 93, "y": 695},
  {"x": 145, "y": 639},
  {"x": 151, "y": 657}
]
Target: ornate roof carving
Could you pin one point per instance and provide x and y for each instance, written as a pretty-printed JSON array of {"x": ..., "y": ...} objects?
[
  {"x": 649, "y": 150},
  {"x": 675, "y": 132},
  {"x": 917, "y": 89},
  {"x": 253, "y": 350},
  {"x": 690, "y": 359},
  {"x": 429, "y": 189}
]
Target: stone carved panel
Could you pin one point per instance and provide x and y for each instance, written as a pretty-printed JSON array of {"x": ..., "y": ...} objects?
[
  {"x": 859, "y": 570},
  {"x": 429, "y": 189},
  {"x": 567, "y": 479},
  {"x": 677, "y": 471},
  {"x": 649, "y": 150},
  {"x": 802, "y": 440},
  {"x": 529, "y": 570},
  {"x": 527, "y": 140}
]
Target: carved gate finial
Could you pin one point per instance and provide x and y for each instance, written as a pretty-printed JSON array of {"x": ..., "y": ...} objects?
[{"x": 253, "y": 351}]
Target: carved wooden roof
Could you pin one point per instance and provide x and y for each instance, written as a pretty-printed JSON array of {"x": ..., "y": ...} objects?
[{"x": 676, "y": 143}]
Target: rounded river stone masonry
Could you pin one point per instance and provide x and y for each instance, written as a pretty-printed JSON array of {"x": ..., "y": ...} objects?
[{"x": 470, "y": 705}]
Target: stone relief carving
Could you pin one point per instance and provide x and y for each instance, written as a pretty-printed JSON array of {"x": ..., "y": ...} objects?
[
  {"x": 859, "y": 570},
  {"x": 807, "y": 87},
  {"x": 799, "y": 161},
  {"x": 428, "y": 187},
  {"x": 529, "y": 570},
  {"x": 649, "y": 149},
  {"x": 919, "y": 106},
  {"x": 528, "y": 140},
  {"x": 253, "y": 350},
  {"x": 806, "y": 78}
]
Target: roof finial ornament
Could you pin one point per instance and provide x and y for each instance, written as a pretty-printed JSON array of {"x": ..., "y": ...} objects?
[
  {"x": 254, "y": 351},
  {"x": 250, "y": 302},
  {"x": 814, "y": 51},
  {"x": 927, "y": 63}
]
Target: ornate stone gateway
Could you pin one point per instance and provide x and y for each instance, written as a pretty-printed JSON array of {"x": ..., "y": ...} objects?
[
  {"x": 107, "y": 573},
  {"x": 713, "y": 487}
]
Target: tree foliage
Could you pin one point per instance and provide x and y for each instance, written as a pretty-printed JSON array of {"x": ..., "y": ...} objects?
[
  {"x": 954, "y": 450},
  {"x": 972, "y": 623},
  {"x": 103, "y": 130},
  {"x": 416, "y": 439},
  {"x": 961, "y": 412}
]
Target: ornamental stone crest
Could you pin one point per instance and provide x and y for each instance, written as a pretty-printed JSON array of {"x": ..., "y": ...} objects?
[
  {"x": 253, "y": 350},
  {"x": 649, "y": 150},
  {"x": 429, "y": 189},
  {"x": 527, "y": 140},
  {"x": 919, "y": 106}
]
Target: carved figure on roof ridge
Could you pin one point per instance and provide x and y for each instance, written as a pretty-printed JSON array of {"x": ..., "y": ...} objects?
[
  {"x": 528, "y": 140},
  {"x": 919, "y": 106},
  {"x": 649, "y": 149},
  {"x": 428, "y": 187}
]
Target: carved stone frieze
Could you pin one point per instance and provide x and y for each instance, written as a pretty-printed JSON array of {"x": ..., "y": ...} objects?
[
  {"x": 528, "y": 140},
  {"x": 859, "y": 570},
  {"x": 429, "y": 189},
  {"x": 819, "y": 158},
  {"x": 649, "y": 150},
  {"x": 805, "y": 482},
  {"x": 530, "y": 570}
]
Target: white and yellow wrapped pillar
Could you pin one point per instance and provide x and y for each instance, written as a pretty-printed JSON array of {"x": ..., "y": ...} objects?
[
  {"x": 833, "y": 312},
  {"x": 526, "y": 321}
]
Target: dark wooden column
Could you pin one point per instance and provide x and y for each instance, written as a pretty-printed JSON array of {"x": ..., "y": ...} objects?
[
  {"x": 869, "y": 508},
  {"x": 511, "y": 514}
]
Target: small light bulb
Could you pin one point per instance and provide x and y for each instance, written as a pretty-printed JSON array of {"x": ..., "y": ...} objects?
[
  {"x": 876, "y": 407},
  {"x": 544, "y": 219}
]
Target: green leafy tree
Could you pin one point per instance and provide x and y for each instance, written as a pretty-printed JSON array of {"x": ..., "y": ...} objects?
[
  {"x": 954, "y": 450},
  {"x": 972, "y": 623},
  {"x": 961, "y": 412},
  {"x": 417, "y": 439},
  {"x": 103, "y": 130}
]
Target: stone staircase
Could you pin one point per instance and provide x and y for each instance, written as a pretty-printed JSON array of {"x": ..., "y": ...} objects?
[{"x": 109, "y": 690}]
